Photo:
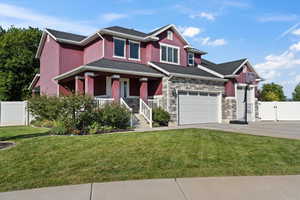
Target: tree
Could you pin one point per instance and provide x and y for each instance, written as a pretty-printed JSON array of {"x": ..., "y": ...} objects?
[
  {"x": 272, "y": 92},
  {"x": 296, "y": 93},
  {"x": 17, "y": 61}
]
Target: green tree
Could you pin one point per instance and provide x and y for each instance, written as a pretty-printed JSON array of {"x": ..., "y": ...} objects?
[
  {"x": 296, "y": 93},
  {"x": 272, "y": 92},
  {"x": 17, "y": 61}
]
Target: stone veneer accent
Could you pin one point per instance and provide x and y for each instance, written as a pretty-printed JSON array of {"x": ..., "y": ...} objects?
[
  {"x": 176, "y": 83},
  {"x": 228, "y": 109}
]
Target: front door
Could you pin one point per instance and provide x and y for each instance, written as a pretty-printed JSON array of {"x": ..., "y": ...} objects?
[{"x": 124, "y": 88}]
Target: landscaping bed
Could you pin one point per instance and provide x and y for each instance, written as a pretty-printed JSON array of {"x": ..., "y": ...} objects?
[{"x": 40, "y": 160}]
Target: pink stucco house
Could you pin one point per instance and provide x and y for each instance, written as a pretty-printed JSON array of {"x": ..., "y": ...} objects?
[{"x": 158, "y": 68}]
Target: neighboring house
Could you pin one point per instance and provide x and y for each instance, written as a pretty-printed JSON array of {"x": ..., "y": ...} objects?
[{"x": 159, "y": 68}]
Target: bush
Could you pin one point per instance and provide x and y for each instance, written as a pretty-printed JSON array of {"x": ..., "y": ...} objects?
[
  {"x": 160, "y": 116},
  {"x": 114, "y": 115},
  {"x": 43, "y": 123},
  {"x": 59, "y": 129}
]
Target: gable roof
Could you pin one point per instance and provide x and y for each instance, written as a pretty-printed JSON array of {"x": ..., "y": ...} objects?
[
  {"x": 81, "y": 40},
  {"x": 177, "y": 70},
  {"x": 65, "y": 35},
  {"x": 227, "y": 68},
  {"x": 127, "y": 31}
]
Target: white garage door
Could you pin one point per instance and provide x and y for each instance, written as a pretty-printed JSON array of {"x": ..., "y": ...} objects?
[
  {"x": 241, "y": 105},
  {"x": 198, "y": 107}
]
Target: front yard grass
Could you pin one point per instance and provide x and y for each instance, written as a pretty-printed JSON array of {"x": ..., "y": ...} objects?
[{"x": 39, "y": 160}]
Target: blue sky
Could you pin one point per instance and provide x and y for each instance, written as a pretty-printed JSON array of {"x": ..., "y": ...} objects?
[{"x": 267, "y": 32}]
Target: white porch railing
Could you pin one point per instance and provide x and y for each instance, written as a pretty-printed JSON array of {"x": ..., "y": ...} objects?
[
  {"x": 146, "y": 111},
  {"x": 102, "y": 101},
  {"x": 153, "y": 103},
  {"x": 123, "y": 103}
]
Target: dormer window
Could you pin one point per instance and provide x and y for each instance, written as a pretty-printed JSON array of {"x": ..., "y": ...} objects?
[
  {"x": 170, "y": 35},
  {"x": 191, "y": 57},
  {"x": 119, "y": 47},
  {"x": 169, "y": 54}
]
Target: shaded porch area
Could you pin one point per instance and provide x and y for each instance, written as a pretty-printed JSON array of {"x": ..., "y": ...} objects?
[{"x": 112, "y": 87}]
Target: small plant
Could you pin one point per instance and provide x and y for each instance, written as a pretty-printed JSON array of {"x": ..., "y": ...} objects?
[
  {"x": 160, "y": 116},
  {"x": 59, "y": 129},
  {"x": 43, "y": 123}
]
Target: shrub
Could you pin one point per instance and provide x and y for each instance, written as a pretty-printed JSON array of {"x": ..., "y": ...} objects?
[
  {"x": 45, "y": 107},
  {"x": 59, "y": 129},
  {"x": 114, "y": 115},
  {"x": 160, "y": 116}
]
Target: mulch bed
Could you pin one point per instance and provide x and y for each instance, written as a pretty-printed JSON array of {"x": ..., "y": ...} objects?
[{"x": 4, "y": 145}]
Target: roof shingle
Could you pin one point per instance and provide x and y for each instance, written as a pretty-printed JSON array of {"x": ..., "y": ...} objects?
[
  {"x": 65, "y": 35},
  {"x": 226, "y": 68},
  {"x": 178, "y": 69}
]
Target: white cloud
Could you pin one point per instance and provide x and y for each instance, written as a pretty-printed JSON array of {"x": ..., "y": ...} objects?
[
  {"x": 289, "y": 30},
  {"x": 23, "y": 17},
  {"x": 205, "y": 15},
  {"x": 190, "y": 31},
  {"x": 296, "y": 32},
  {"x": 109, "y": 17},
  {"x": 209, "y": 42},
  {"x": 278, "y": 18},
  {"x": 295, "y": 47},
  {"x": 273, "y": 64}
]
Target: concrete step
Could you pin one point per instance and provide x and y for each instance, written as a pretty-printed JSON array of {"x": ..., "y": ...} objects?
[{"x": 139, "y": 121}]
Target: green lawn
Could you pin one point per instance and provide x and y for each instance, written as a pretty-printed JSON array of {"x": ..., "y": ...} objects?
[{"x": 38, "y": 160}]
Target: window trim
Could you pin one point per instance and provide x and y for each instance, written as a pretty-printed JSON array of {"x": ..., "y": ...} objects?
[
  {"x": 189, "y": 59},
  {"x": 170, "y": 35},
  {"x": 139, "y": 51},
  {"x": 172, "y": 46},
  {"x": 115, "y": 56}
]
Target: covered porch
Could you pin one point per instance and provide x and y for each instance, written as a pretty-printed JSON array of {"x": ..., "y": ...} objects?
[{"x": 108, "y": 87}]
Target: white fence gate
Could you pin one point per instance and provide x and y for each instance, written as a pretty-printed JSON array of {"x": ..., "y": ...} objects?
[
  {"x": 13, "y": 113},
  {"x": 279, "y": 111}
]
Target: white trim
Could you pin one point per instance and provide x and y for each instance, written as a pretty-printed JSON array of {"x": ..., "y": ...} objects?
[
  {"x": 158, "y": 68},
  {"x": 169, "y": 46},
  {"x": 166, "y": 28},
  {"x": 103, "y": 47},
  {"x": 139, "y": 51},
  {"x": 34, "y": 80},
  {"x": 198, "y": 77},
  {"x": 115, "y": 56},
  {"x": 249, "y": 65},
  {"x": 188, "y": 58},
  {"x": 210, "y": 71},
  {"x": 99, "y": 69}
]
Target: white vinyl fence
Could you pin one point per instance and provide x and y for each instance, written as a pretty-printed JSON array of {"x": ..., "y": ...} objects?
[
  {"x": 279, "y": 111},
  {"x": 14, "y": 113}
]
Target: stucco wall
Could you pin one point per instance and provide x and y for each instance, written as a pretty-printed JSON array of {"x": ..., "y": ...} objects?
[
  {"x": 93, "y": 51},
  {"x": 49, "y": 67},
  {"x": 70, "y": 57}
]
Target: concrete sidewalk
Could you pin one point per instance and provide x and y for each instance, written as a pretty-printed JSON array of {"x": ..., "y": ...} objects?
[{"x": 215, "y": 188}]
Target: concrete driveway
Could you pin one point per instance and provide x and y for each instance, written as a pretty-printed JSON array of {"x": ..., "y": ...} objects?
[
  {"x": 215, "y": 188},
  {"x": 275, "y": 129}
]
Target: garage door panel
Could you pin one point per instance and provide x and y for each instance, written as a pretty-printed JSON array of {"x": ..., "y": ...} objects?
[{"x": 198, "y": 109}]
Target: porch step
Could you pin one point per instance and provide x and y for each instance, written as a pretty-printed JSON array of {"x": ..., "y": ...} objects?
[
  {"x": 139, "y": 121},
  {"x": 133, "y": 103}
]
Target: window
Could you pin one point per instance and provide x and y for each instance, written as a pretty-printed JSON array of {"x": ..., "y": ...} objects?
[
  {"x": 170, "y": 35},
  {"x": 134, "y": 50},
  {"x": 119, "y": 47},
  {"x": 169, "y": 54},
  {"x": 190, "y": 58}
]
